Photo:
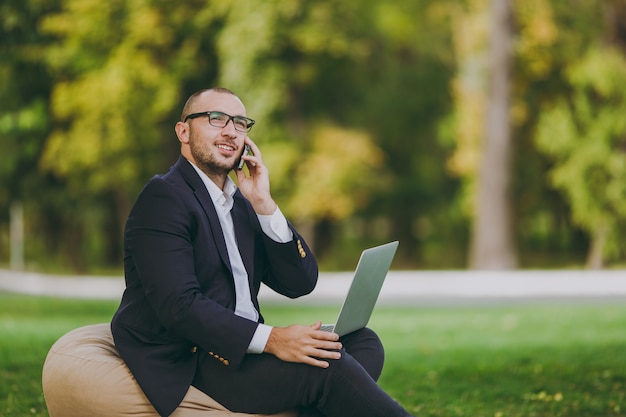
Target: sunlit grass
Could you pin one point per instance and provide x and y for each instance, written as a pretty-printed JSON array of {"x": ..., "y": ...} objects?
[
  {"x": 28, "y": 328},
  {"x": 559, "y": 360},
  {"x": 492, "y": 361}
]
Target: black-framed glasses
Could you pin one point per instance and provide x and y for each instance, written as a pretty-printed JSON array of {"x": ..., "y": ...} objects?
[{"x": 218, "y": 119}]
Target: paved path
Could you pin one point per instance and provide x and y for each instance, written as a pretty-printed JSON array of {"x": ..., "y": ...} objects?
[{"x": 412, "y": 288}]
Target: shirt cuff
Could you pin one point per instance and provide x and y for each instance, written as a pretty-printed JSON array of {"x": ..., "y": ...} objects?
[
  {"x": 259, "y": 340},
  {"x": 275, "y": 226}
]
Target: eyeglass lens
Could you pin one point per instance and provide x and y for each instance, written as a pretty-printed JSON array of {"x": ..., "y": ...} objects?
[{"x": 219, "y": 119}]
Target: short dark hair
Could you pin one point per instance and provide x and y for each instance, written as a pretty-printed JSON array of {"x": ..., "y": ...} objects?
[{"x": 192, "y": 98}]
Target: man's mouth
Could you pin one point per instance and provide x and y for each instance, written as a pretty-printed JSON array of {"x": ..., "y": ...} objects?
[{"x": 227, "y": 148}]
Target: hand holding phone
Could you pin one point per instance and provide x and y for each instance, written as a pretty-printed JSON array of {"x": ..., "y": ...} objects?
[{"x": 242, "y": 162}]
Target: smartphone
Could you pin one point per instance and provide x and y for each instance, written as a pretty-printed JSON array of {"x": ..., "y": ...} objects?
[{"x": 242, "y": 162}]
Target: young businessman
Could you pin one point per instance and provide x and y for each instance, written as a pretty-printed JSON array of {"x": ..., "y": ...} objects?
[{"x": 197, "y": 248}]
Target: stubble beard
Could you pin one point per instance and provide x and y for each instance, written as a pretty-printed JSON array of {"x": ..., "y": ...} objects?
[{"x": 205, "y": 159}]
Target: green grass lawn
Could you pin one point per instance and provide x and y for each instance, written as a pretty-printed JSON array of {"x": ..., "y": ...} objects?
[{"x": 492, "y": 361}]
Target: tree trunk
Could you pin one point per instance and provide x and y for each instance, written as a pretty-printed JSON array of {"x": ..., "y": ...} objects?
[
  {"x": 492, "y": 240},
  {"x": 17, "y": 236},
  {"x": 595, "y": 255}
]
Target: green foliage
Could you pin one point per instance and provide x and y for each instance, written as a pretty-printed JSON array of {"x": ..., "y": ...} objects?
[
  {"x": 115, "y": 90},
  {"x": 586, "y": 137},
  {"x": 365, "y": 116},
  {"x": 335, "y": 179},
  {"x": 24, "y": 119}
]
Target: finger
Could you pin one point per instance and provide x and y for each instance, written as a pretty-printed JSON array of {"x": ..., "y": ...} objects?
[
  {"x": 330, "y": 345},
  {"x": 316, "y": 358},
  {"x": 322, "y": 335},
  {"x": 317, "y": 325},
  {"x": 241, "y": 175},
  {"x": 326, "y": 354},
  {"x": 316, "y": 362},
  {"x": 255, "y": 149},
  {"x": 251, "y": 160}
]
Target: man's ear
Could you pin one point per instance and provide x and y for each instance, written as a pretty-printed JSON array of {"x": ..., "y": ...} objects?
[{"x": 182, "y": 131}]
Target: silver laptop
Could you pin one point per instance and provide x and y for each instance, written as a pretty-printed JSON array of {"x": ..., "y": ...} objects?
[{"x": 366, "y": 285}]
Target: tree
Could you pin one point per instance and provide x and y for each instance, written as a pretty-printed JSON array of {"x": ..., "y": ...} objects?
[
  {"x": 119, "y": 70},
  {"x": 483, "y": 152},
  {"x": 24, "y": 121},
  {"x": 493, "y": 240},
  {"x": 327, "y": 71},
  {"x": 585, "y": 135},
  {"x": 336, "y": 178}
]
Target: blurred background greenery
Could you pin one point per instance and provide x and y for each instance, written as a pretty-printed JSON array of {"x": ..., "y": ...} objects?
[{"x": 373, "y": 117}]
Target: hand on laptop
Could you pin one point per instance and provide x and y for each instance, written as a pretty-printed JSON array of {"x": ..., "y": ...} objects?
[{"x": 304, "y": 344}]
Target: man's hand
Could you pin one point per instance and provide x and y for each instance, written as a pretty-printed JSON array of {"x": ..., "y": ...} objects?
[
  {"x": 256, "y": 186},
  {"x": 304, "y": 344}
]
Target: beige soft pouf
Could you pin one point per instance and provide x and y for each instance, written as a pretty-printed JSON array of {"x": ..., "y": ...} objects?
[{"x": 83, "y": 375}]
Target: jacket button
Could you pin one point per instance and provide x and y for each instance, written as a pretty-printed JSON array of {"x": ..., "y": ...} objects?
[
  {"x": 194, "y": 349},
  {"x": 301, "y": 249}
]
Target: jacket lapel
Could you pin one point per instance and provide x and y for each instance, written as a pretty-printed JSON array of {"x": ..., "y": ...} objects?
[{"x": 203, "y": 197}]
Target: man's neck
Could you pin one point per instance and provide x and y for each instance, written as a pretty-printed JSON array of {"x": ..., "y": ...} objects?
[{"x": 218, "y": 179}]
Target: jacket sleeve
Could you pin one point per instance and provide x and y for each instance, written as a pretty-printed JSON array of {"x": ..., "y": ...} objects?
[{"x": 292, "y": 267}]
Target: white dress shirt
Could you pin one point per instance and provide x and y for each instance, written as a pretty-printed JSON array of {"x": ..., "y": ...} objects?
[{"x": 274, "y": 225}]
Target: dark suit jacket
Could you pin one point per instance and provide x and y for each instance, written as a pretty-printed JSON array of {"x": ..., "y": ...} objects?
[{"x": 179, "y": 300}]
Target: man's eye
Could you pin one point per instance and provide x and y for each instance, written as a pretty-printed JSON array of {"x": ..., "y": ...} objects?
[
  {"x": 218, "y": 117},
  {"x": 242, "y": 123}
]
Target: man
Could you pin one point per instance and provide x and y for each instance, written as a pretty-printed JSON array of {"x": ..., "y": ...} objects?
[{"x": 197, "y": 248}]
